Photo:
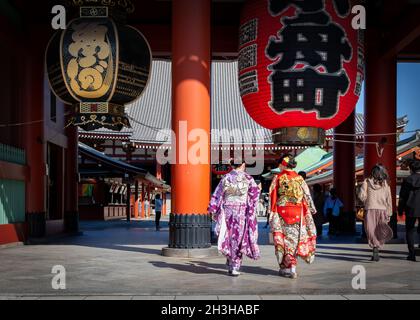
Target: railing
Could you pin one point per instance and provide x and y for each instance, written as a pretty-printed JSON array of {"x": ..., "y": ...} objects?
[
  {"x": 12, "y": 201},
  {"x": 12, "y": 154},
  {"x": 12, "y": 192}
]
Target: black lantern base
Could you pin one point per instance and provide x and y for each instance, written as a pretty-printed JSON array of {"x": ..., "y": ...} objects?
[
  {"x": 92, "y": 116},
  {"x": 105, "y": 121},
  {"x": 189, "y": 231},
  {"x": 299, "y": 136}
]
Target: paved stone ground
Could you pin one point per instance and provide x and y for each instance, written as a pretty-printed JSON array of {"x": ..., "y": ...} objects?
[{"x": 117, "y": 260}]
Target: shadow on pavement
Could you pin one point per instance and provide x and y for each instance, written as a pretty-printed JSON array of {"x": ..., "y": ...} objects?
[
  {"x": 200, "y": 267},
  {"x": 191, "y": 267},
  {"x": 322, "y": 246},
  {"x": 246, "y": 269},
  {"x": 136, "y": 235}
]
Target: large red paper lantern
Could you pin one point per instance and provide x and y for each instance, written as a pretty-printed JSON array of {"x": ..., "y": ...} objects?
[{"x": 301, "y": 66}]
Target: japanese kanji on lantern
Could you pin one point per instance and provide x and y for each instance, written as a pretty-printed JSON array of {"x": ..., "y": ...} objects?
[
  {"x": 98, "y": 65},
  {"x": 301, "y": 66}
]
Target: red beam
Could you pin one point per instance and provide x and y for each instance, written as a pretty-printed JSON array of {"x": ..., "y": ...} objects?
[
  {"x": 11, "y": 171},
  {"x": 224, "y": 40},
  {"x": 403, "y": 34}
]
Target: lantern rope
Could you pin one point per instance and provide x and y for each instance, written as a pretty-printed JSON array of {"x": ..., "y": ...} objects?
[
  {"x": 144, "y": 125},
  {"x": 18, "y": 124},
  {"x": 374, "y": 134},
  {"x": 356, "y": 142}
]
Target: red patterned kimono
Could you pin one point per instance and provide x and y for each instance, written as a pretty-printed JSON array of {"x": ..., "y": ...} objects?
[{"x": 291, "y": 221}]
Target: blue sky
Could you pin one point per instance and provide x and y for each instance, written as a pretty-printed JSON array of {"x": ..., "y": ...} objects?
[{"x": 408, "y": 94}]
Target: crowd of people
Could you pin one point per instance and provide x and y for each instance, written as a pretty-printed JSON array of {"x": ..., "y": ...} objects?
[{"x": 296, "y": 214}]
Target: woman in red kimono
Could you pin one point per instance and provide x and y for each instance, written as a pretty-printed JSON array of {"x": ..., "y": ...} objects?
[{"x": 291, "y": 221}]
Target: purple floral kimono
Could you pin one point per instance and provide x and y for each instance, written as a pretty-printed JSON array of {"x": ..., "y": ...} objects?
[{"x": 233, "y": 207}]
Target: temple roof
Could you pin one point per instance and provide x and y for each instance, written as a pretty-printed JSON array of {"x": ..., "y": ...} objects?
[
  {"x": 112, "y": 164},
  {"x": 110, "y": 167},
  {"x": 402, "y": 147},
  {"x": 153, "y": 111}
]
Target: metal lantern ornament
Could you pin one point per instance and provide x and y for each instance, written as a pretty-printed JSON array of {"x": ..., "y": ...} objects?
[
  {"x": 98, "y": 64},
  {"x": 301, "y": 66}
]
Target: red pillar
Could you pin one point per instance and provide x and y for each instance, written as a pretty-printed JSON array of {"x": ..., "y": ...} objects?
[
  {"x": 381, "y": 110},
  {"x": 149, "y": 199},
  {"x": 71, "y": 200},
  {"x": 136, "y": 200},
  {"x": 163, "y": 203},
  {"x": 344, "y": 171},
  {"x": 159, "y": 171},
  {"x": 191, "y": 103},
  {"x": 34, "y": 142}
]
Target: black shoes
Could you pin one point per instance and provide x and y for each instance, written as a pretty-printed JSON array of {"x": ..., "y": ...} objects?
[
  {"x": 375, "y": 254},
  {"x": 411, "y": 258}
]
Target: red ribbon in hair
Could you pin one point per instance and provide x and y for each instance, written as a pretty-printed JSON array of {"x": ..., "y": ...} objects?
[{"x": 285, "y": 161}]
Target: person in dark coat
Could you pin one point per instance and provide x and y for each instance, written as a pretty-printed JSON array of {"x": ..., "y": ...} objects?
[
  {"x": 319, "y": 201},
  {"x": 409, "y": 204}
]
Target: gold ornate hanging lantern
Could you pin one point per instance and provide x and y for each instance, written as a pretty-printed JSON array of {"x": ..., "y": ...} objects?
[{"x": 98, "y": 65}]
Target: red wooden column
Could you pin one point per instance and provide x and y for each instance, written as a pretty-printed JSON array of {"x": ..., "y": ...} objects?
[
  {"x": 164, "y": 203},
  {"x": 190, "y": 106},
  {"x": 381, "y": 110},
  {"x": 344, "y": 171},
  {"x": 149, "y": 199},
  {"x": 136, "y": 200},
  {"x": 34, "y": 142},
  {"x": 159, "y": 171},
  {"x": 71, "y": 200}
]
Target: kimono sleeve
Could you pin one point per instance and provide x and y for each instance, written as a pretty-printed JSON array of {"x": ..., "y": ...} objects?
[
  {"x": 216, "y": 200},
  {"x": 273, "y": 194},
  {"x": 308, "y": 198},
  {"x": 251, "y": 235},
  {"x": 253, "y": 196}
]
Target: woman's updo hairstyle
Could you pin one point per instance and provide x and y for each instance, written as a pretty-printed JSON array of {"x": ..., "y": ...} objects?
[
  {"x": 288, "y": 161},
  {"x": 235, "y": 163}
]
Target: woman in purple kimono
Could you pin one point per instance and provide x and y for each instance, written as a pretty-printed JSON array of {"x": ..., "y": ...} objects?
[{"x": 233, "y": 207}]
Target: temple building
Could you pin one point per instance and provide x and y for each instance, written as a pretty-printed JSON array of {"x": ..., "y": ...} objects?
[
  {"x": 44, "y": 171},
  {"x": 234, "y": 129}
]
